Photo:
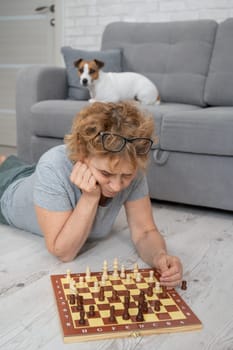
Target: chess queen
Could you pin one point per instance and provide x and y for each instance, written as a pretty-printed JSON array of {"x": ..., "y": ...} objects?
[{"x": 76, "y": 190}]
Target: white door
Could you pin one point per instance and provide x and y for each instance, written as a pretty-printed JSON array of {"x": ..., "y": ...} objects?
[{"x": 27, "y": 36}]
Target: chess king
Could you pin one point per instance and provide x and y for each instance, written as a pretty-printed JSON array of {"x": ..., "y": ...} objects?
[{"x": 77, "y": 189}]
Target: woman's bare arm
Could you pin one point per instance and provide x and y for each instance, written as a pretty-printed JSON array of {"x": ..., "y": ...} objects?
[
  {"x": 66, "y": 232},
  {"x": 149, "y": 242}
]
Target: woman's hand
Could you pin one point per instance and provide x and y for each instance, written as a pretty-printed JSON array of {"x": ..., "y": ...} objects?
[
  {"x": 83, "y": 178},
  {"x": 66, "y": 231},
  {"x": 170, "y": 268}
]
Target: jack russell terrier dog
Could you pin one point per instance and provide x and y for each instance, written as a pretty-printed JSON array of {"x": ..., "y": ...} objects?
[{"x": 114, "y": 87}]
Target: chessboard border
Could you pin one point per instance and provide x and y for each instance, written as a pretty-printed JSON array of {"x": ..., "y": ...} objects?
[{"x": 136, "y": 329}]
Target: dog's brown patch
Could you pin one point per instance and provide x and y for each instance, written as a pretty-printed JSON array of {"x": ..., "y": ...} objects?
[{"x": 93, "y": 67}]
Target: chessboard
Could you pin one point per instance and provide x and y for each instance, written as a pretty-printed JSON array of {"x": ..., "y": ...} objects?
[{"x": 110, "y": 304}]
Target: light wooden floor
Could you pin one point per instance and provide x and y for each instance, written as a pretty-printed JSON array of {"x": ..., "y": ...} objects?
[{"x": 202, "y": 238}]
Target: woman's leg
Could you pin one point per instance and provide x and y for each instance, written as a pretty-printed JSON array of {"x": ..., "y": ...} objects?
[{"x": 12, "y": 169}]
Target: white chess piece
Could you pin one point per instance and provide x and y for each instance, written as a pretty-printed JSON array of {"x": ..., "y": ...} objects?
[
  {"x": 88, "y": 274},
  {"x": 122, "y": 274},
  {"x": 115, "y": 268},
  {"x": 151, "y": 276},
  {"x": 68, "y": 275},
  {"x": 157, "y": 286},
  {"x": 138, "y": 277},
  {"x": 81, "y": 281},
  {"x": 72, "y": 286}
]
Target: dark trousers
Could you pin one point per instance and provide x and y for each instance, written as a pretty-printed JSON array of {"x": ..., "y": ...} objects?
[{"x": 11, "y": 170}]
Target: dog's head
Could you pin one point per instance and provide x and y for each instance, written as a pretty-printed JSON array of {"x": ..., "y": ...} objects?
[{"x": 88, "y": 71}]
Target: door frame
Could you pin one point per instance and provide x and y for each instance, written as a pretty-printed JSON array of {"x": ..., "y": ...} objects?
[
  {"x": 59, "y": 31},
  {"x": 7, "y": 116}
]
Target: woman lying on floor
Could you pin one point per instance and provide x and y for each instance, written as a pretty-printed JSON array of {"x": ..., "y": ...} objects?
[{"x": 76, "y": 190}]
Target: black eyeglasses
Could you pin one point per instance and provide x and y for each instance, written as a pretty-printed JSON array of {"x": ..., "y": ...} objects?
[{"x": 115, "y": 143}]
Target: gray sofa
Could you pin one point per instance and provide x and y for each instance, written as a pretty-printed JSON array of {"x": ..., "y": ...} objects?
[{"x": 191, "y": 62}]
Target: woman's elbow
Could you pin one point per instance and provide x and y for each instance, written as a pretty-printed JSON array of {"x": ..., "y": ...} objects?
[{"x": 61, "y": 255}]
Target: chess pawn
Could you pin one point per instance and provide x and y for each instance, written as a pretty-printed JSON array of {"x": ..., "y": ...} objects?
[
  {"x": 126, "y": 315},
  {"x": 81, "y": 281},
  {"x": 157, "y": 287},
  {"x": 139, "y": 317},
  {"x": 184, "y": 285},
  {"x": 96, "y": 286},
  {"x": 91, "y": 311},
  {"x": 128, "y": 278},
  {"x": 105, "y": 270},
  {"x": 150, "y": 291},
  {"x": 135, "y": 270},
  {"x": 138, "y": 277},
  {"x": 88, "y": 274},
  {"x": 103, "y": 280},
  {"x": 115, "y": 272},
  {"x": 72, "y": 299},
  {"x": 115, "y": 296},
  {"x": 105, "y": 275},
  {"x": 122, "y": 274},
  {"x": 82, "y": 317},
  {"x": 157, "y": 305},
  {"x": 72, "y": 286},
  {"x": 112, "y": 317},
  {"x": 151, "y": 276},
  {"x": 68, "y": 276}
]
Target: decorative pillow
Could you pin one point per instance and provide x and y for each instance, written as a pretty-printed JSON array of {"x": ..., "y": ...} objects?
[{"x": 112, "y": 63}]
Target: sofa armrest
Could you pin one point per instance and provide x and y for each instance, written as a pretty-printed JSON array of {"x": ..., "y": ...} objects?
[{"x": 35, "y": 84}]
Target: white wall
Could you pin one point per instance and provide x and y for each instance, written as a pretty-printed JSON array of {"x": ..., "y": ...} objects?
[{"x": 84, "y": 20}]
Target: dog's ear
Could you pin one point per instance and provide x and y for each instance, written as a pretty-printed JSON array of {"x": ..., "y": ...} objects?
[
  {"x": 99, "y": 64},
  {"x": 77, "y": 63}
]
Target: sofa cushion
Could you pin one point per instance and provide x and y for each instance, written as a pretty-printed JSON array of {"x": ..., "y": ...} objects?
[
  {"x": 219, "y": 85},
  {"x": 204, "y": 131},
  {"x": 53, "y": 118},
  {"x": 158, "y": 111},
  {"x": 174, "y": 55},
  {"x": 111, "y": 58}
]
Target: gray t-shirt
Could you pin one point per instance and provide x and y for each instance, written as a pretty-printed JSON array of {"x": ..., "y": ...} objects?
[{"x": 50, "y": 188}]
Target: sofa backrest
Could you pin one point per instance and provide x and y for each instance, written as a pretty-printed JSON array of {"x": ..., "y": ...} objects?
[
  {"x": 174, "y": 55},
  {"x": 219, "y": 84}
]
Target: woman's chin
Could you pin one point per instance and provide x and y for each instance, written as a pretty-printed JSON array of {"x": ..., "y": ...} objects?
[{"x": 109, "y": 194}]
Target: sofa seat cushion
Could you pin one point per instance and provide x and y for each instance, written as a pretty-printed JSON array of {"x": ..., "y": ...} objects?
[
  {"x": 219, "y": 84},
  {"x": 204, "y": 131},
  {"x": 159, "y": 110},
  {"x": 174, "y": 55},
  {"x": 53, "y": 118},
  {"x": 169, "y": 107}
]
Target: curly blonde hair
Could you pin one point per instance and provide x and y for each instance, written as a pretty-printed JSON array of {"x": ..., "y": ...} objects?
[{"x": 123, "y": 118}]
